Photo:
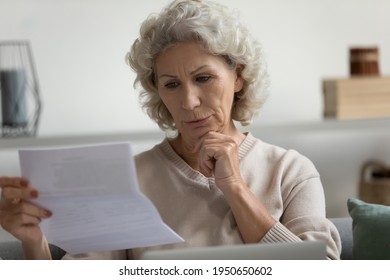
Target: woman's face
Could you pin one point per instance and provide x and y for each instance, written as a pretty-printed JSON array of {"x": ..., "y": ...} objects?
[{"x": 198, "y": 89}]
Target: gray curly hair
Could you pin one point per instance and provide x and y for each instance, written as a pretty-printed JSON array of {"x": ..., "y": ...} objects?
[{"x": 220, "y": 32}]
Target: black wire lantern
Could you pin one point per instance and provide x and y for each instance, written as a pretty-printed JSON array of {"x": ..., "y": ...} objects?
[{"x": 20, "y": 101}]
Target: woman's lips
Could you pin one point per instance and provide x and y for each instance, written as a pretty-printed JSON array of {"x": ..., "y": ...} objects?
[{"x": 198, "y": 122}]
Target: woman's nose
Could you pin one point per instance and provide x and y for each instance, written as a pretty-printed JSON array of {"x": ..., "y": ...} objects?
[{"x": 190, "y": 97}]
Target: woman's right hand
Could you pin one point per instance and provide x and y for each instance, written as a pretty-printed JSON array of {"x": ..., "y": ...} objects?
[{"x": 18, "y": 215}]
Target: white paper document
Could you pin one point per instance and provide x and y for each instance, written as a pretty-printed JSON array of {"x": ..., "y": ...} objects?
[{"x": 95, "y": 198}]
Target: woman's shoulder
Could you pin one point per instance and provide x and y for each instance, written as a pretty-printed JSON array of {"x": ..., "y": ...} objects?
[
  {"x": 153, "y": 155},
  {"x": 268, "y": 149},
  {"x": 280, "y": 155}
]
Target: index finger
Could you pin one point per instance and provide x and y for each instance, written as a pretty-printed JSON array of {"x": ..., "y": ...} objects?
[
  {"x": 16, "y": 194},
  {"x": 17, "y": 182},
  {"x": 202, "y": 138}
]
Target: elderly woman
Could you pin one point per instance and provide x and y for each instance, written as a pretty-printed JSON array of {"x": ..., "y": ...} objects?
[{"x": 201, "y": 71}]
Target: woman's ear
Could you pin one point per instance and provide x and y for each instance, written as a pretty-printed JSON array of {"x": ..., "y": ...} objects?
[{"x": 239, "y": 83}]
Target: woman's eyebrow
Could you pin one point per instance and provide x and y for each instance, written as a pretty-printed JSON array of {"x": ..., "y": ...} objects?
[
  {"x": 192, "y": 72},
  {"x": 167, "y": 76}
]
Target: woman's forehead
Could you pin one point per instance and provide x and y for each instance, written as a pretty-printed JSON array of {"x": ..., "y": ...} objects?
[{"x": 191, "y": 56}]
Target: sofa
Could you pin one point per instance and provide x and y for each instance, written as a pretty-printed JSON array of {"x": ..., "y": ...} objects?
[
  {"x": 344, "y": 226},
  {"x": 11, "y": 250}
]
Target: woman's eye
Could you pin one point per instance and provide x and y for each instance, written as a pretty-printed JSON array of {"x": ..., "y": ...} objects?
[
  {"x": 172, "y": 85},
  {"x": 203, "y": 79}
]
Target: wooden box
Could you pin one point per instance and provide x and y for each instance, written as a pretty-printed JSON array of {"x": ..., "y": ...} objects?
[{"x": 357, "y": 97}]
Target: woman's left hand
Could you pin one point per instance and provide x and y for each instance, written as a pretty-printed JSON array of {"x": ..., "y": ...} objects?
[{"x": 218, "y": 155}]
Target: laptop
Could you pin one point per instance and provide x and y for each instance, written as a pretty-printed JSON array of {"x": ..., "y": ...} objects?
[{"x": 306, "y": 250}]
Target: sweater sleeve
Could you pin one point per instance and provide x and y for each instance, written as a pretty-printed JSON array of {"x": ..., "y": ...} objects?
[
  {"x": 280, "y": 233},
  {"x": 303, "y": 199}
]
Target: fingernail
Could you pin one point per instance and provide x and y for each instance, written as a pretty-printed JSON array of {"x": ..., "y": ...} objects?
[
  {"x": 47, "y": 213},
  {"x": 23, "y": 183},
  {"x": 34, "y": 193}
]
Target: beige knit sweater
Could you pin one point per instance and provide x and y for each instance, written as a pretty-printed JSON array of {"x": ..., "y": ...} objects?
[{"x": 286, "y": 182}]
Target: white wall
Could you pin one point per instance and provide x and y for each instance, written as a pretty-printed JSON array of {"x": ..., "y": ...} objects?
[{"x": 79, "y": 48}]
